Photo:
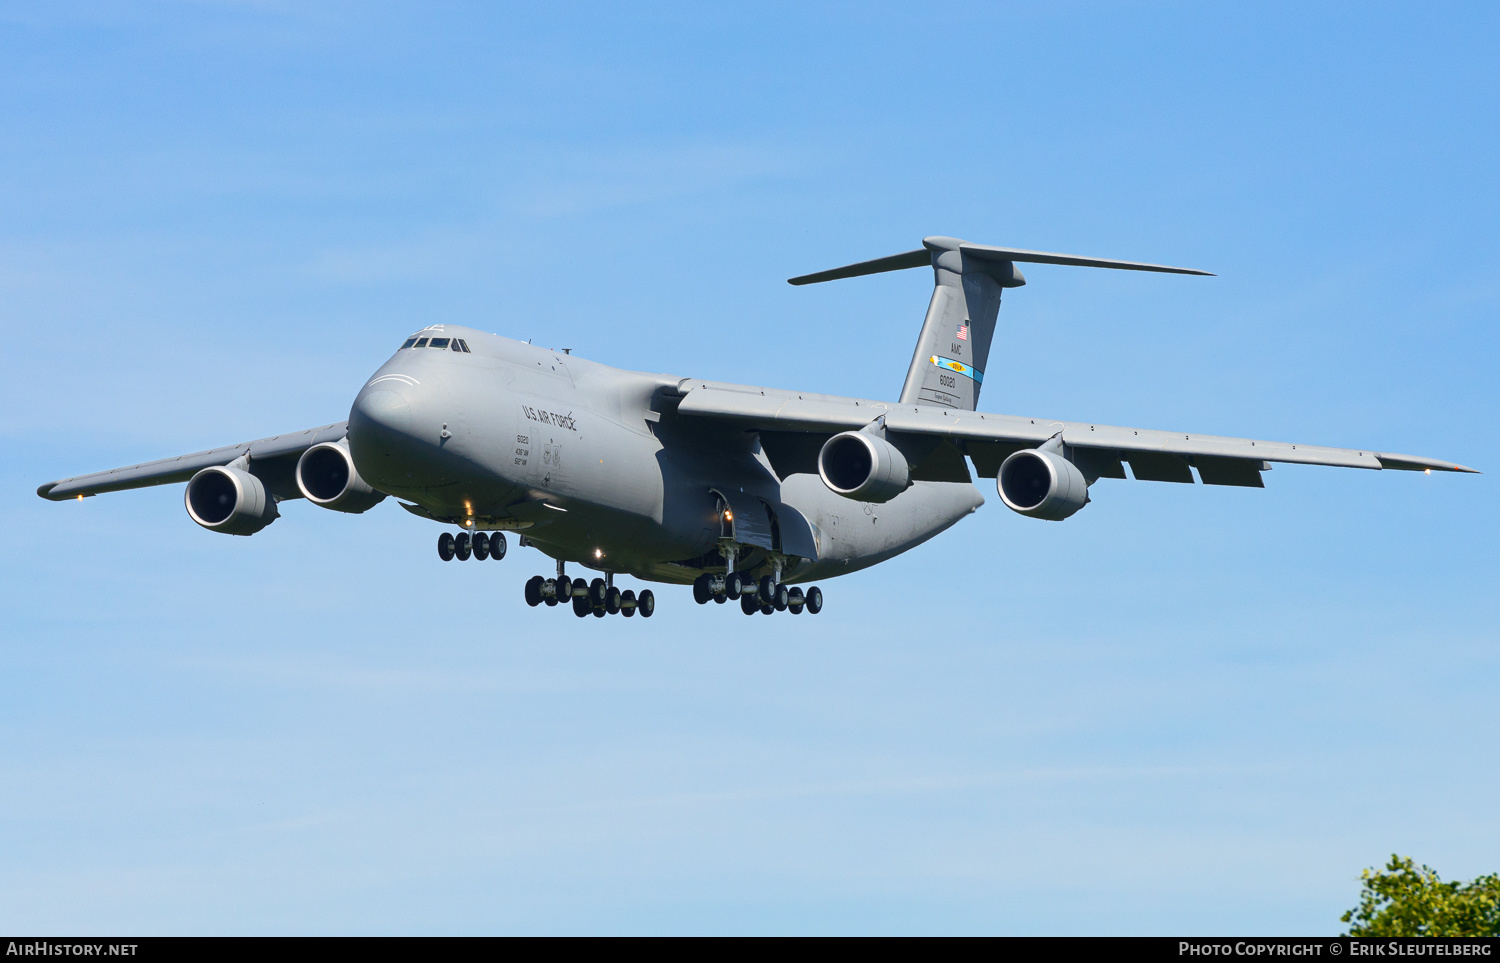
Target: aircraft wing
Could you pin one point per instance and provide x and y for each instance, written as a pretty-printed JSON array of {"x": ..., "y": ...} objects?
[
  {"x": 792, "y": 425},
  {"x": 166, "y": 471}
]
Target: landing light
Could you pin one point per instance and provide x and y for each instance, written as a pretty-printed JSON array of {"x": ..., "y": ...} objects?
[
  {"x": 80, "y": 497},
  {"x": 1425, "y": 471},
  {"x": 598, "y": 553},
  {"x": 728, "y": 515}
]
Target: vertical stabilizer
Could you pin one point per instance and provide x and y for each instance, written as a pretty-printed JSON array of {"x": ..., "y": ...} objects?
[{"x": 947, "y": 369}]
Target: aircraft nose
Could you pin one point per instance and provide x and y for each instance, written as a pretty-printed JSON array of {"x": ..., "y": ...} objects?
[
  {"x": 381, "y": 411},
  {"x": 382, "y": 433}
]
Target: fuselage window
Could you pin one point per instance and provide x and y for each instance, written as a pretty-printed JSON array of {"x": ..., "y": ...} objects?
[
  {"x": 421, "y": 343},
  {"x": 409, "y": 342},
  {"x": 438, "y": 343}
]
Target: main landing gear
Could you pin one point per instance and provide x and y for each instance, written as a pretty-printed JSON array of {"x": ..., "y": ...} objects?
[
  {"x": 766, "y": 596},
  {"x": 479, "y": 545},
  {"x": 597, "y": 598}
]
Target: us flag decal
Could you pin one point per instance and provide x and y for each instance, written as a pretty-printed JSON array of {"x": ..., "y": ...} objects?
[{"x": 963, "y": 332}]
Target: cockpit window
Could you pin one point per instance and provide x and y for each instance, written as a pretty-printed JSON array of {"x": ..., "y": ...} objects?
[
  {"x": 465, "y": 345},
  {"x": 457, "y": 345},
  {"x": 409, "y": 342},
  {"x": 439, "y": 343},
  {"x": 421, "y": 343}
]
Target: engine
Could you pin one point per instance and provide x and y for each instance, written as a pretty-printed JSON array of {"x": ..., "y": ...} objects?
[
  {"x": 862, "y": 466},
  {"x": 1041, "y": 484},
  {"x": 229, "y": 500},
  {"x": 326, "y": 475}
]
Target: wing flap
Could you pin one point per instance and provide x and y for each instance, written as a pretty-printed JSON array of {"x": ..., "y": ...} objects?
[
  {"x": 1160, "y": 466},
  {"x": 167, "y": 471}
]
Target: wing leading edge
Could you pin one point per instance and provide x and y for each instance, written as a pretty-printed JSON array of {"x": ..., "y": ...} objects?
[
  {"x": 167, "y": 471},
  {"x": 987, "y": 438}
]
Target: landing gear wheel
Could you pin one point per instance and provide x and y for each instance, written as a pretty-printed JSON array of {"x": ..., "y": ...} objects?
[
  {"x": 596, "y": 593},
  {"x": 795, "y": 601},
  {"x": 721, "y": 598},
  {"x": 767, "y": 608},
  {"x": 703, "y": 589},
  {"x": 481, "y": 544},
  {"x": 445, "y": 546},
  {"x": 767, "y": 590},
  {"x": 734, "y": 586},
  {"x": 580, "y": 590},
  {"x": 781, "y": 598},
  {"x": 581, "y": 607},
  {"x": 646, "y": 603},
  {"x": 497, "y": 546},
  {"x": 461, "y": 547},
  {"x": 814, "y": 600},
  {"x": 612, "y": 599},
  {"x": 549, "y": 591},
  {"x": 748, "y": 605},
  {"x": 599, "y": 612},
  {"x": 627, "y": 603},
  {"x": 534, "y": 590}
]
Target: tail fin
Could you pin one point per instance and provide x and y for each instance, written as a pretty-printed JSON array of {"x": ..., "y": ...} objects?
[{"x": 947, "y": 368}]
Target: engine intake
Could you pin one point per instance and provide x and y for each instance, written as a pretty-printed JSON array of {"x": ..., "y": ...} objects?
[
  {"x": 862, "y": 466},
  {"x": 228, "y": 500},
  {"x": 327, "y": 476},
  {"x": 1041, "y": 484}
]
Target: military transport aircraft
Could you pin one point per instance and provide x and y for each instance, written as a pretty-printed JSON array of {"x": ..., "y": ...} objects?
[{"x": 738, "y": 490}]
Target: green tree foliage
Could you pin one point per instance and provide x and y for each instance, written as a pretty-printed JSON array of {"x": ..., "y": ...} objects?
[{"x": 1404, "y": 900}]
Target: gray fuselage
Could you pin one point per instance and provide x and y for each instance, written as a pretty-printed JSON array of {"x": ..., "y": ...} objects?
[{"x": 592, "y": 465}]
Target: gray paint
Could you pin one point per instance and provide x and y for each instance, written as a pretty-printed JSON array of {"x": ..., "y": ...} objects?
[{"x": 629, "y": 472}]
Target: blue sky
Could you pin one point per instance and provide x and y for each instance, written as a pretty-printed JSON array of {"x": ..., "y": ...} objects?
[{"x": 1181, "y": 711}]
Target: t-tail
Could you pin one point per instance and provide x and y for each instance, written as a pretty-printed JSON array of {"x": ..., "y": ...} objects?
[{"x": 948, "y": 366}]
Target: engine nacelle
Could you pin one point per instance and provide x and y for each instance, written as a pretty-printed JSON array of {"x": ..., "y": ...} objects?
[
  {"x": 229, "y": 500},
  {"x": 862, "y": 466},
  {"x": 326, "y": 475},
  {"x": 1041, "y": 484}
]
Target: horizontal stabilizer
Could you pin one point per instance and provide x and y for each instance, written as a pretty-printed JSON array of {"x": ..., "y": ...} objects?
[
  {"x": 896, "y": 262},
  {"x": 924, "y": 257}
]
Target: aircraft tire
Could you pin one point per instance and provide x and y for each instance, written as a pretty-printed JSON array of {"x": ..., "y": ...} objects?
[
  {"x": 702, "y": 589},
  {"x": 627, "y": 610},
  {"x": 814, "y": 600},
  {"x": 596, "y": 593},
  {"x": 795, "y": 601},
  {"x": 599, "y": 612},
  {"x": 497, "y": 546},
  {"x": 445, "y": 546},
  {"x": 612, "y": 599},
  {"x": 481, "y": 545},
  {"x": 748, "y": 605},
  {"x": 461, "y": 546},
  {"x": 766, "y": 608},
  {"x": 721, "y": 598},
  {"x": 734, "y": 586},
  {"x": 534, "y": 590},
  {"x": 781, "y": 598},
  {"x": 767, "y": 590},
  {"x": 551, "y": 599},
  {"x": 646, "y": 603},
  {"x": 581, "y": 607},
  {"x": 580, "y": 589}
]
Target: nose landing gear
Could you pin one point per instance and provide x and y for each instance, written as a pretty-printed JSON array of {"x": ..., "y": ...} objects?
[{"x": 479, "y": 545}]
